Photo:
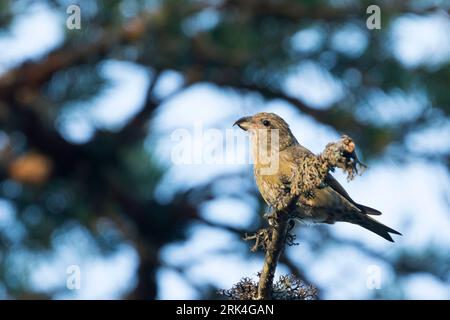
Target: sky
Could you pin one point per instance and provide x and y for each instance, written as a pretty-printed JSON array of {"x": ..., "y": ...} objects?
[{"x": 391, "y": 188}]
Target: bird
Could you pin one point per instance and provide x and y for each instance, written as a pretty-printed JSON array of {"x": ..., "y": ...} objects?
[{"x": 288, "y": 166}]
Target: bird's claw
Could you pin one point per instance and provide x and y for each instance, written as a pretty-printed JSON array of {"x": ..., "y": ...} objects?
[{"x": 272, "y": 218}]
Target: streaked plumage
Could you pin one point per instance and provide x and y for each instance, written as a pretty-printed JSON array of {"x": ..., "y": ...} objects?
[{"x": 298, "y": 167}]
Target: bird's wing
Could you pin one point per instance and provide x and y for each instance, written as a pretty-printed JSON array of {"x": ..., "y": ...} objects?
[
  {"x": 333, "y": 192},
  {"x": 336, "y": 186}
]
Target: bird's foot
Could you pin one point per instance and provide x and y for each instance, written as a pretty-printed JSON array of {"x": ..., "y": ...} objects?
[{"x": 272, "y": 218}]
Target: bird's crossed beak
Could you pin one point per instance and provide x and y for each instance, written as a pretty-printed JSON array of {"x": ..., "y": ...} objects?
[{"x": 243, "y": 123}]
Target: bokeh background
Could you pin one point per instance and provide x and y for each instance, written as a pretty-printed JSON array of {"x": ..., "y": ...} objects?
[{"x": 87, "y": 118}]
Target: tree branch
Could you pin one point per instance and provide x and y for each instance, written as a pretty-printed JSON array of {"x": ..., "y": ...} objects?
[
  {"x": 34, "y": 74},
  {"x": 277, "y": 242}
]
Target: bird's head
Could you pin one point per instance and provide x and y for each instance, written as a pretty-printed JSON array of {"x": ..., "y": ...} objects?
[{"x": 265, "y": 123}]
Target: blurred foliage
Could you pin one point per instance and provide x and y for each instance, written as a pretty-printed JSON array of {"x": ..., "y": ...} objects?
[{"x": 106, "y": 186}]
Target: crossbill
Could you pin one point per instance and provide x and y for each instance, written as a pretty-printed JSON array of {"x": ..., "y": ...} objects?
[{"x": 283, "y": 168}]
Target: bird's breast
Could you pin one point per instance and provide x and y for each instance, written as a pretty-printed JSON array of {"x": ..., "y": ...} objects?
[{"x": 274, "y": 188}]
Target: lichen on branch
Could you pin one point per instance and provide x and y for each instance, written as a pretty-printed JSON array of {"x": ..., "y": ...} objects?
[
  {"x": 287, "y": 287},
  {"x": 342, "y": 154}
]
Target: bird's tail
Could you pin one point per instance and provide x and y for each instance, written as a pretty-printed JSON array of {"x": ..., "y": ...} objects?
[{"x": 374, "y": 226}]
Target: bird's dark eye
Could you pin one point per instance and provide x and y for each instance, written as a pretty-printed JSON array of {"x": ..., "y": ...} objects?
[{"x": 266, "y": 123}]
